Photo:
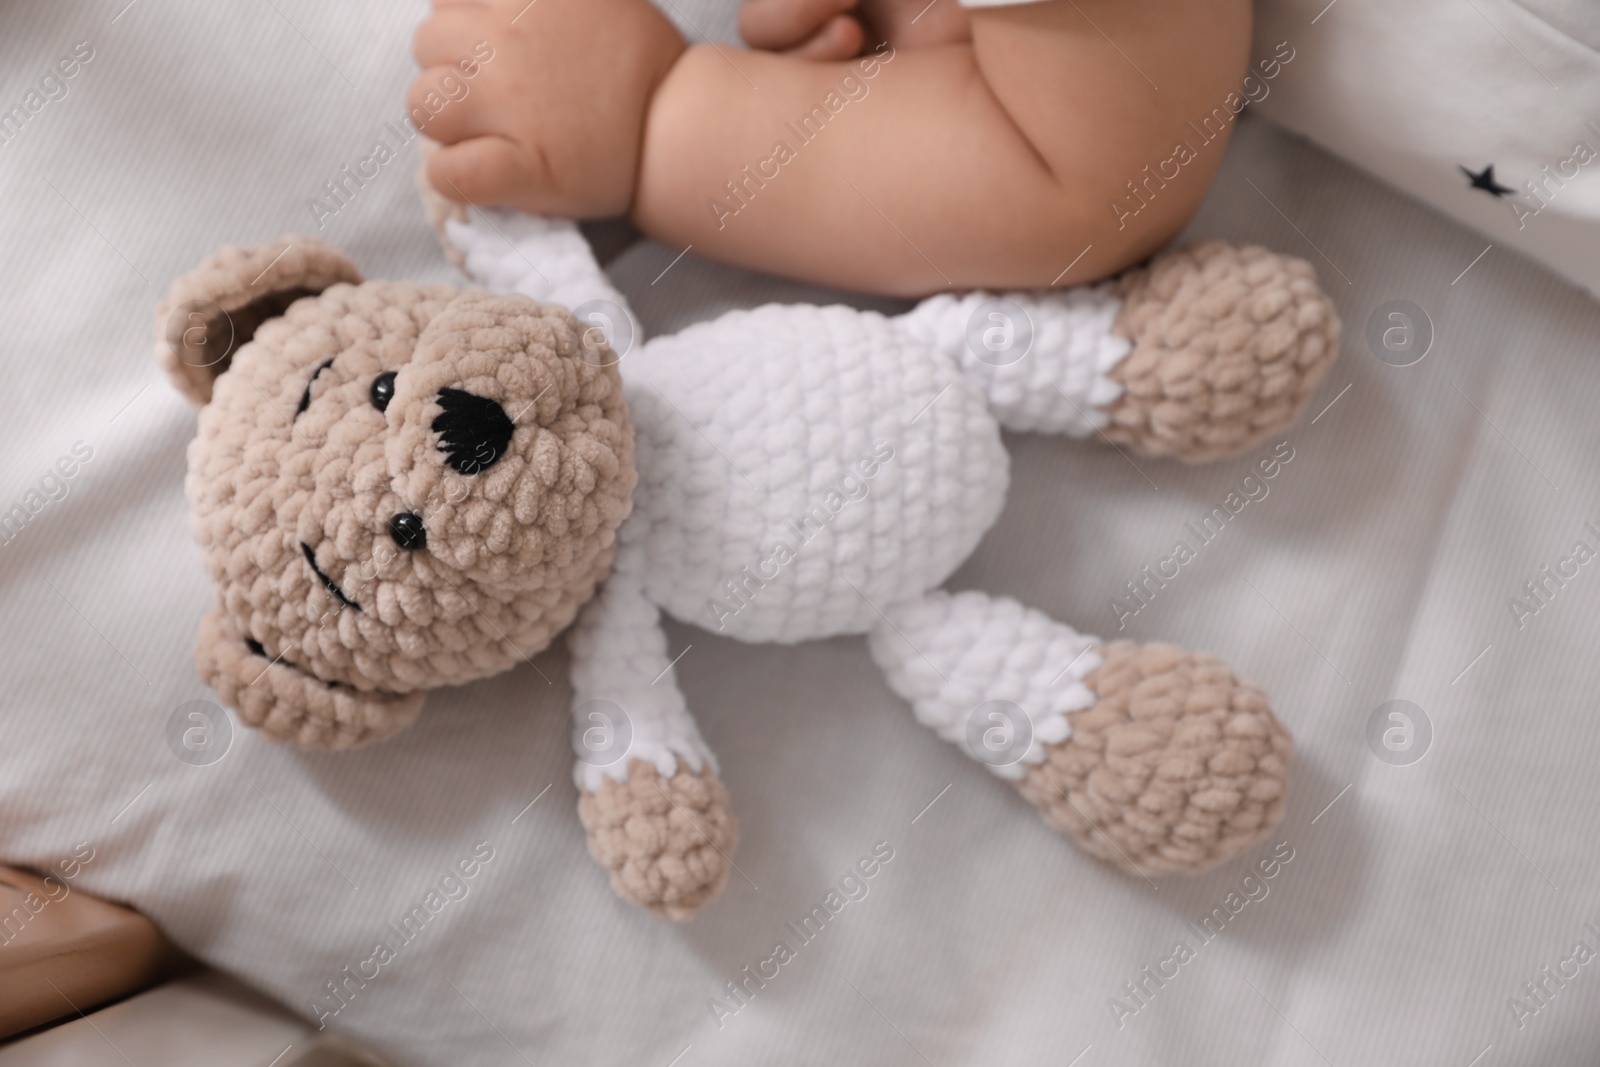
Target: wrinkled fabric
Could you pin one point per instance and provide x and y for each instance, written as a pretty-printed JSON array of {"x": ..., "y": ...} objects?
[{"x": 1399, "y": 920}]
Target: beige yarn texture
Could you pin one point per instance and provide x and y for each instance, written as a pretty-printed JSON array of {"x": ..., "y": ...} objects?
[
  {"x": 1178, "y": 767},
  {"x": 290, "y": 706},
  {"x": 666, "y": 841},
  {"x": 246, "y": 284},
  {"x": 1230, "y": 342},
  {"x": 513, "y": 549}
]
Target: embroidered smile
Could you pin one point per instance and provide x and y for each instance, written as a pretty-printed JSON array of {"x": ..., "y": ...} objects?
[{"x": 332, "y": 586}]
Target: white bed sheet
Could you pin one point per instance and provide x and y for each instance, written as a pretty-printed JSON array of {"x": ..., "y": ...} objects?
[{"x": 1419, "y": 899}]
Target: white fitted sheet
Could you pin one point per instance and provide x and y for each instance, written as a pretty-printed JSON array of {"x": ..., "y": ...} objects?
[{"x": 1380, "y": 566}]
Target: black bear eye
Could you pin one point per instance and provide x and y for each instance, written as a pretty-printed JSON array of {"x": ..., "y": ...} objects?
[
  {"x": 408, "y": 531},
  {"x": 382, "y": 390},
  {"x": 473, "y": 430}
]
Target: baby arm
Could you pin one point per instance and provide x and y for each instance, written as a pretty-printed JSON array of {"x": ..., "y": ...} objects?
[
  {"x": 988, "y": 155},
  {"x": 987, "y": 163}
]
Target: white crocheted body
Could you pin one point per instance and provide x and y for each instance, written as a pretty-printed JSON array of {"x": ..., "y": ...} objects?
[
  {"x": 803, "y": 468},
  {"x": 806, "y": 472},
  {"x": 801, "y": 471}
]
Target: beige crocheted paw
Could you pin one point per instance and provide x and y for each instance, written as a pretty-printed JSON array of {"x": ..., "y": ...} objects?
[
  {"x": 1178, "y": 767},
  {"x": 287, "y": 704},
  {"x": 666, "y": 841},
  {"x": 1229, "y": 343}
]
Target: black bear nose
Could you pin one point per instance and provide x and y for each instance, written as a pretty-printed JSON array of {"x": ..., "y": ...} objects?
[{"x": 407, "y": 530}]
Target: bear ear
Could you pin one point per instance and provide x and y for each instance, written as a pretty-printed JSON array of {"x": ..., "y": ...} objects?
[{"x": 214, "y": 310}]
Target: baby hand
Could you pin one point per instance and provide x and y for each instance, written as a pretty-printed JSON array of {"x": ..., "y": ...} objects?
[{"x": 554, "y": 115}]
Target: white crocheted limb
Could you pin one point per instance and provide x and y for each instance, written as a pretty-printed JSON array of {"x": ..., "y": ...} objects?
[
  {"x": 1043, "y": 359},
  {"x": 626, "y": 703},
  {"x": 987, "y": 673},
  {"x": 548, "y": 260}
]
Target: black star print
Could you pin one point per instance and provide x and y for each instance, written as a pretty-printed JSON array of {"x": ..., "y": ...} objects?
[{"x": 1486, "y": 182}]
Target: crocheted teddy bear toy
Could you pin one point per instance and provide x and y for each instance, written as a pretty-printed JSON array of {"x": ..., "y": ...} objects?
[{"x": 397, "y": 487}]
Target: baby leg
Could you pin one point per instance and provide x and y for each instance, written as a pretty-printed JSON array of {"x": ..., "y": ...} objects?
[{"x": 1150, "y": 757}]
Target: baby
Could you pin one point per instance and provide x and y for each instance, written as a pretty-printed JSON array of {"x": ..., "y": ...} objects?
[{"x": 902, "y": 147}]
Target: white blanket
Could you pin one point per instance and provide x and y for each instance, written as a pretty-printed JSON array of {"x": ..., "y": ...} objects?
[
  {"x": 1487, "y": 109},
  {"x": 1409, "y": 904}
]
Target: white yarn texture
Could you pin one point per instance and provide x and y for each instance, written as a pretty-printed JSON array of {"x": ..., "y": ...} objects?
[
  {"x": 806, "y": 472},
  {"x": 619, "y": 657},
  {"x": 545, "y": 259},
  {"x": 815, "y": 460},
  {"x": 949, "y": 655},
  {"x": 1061, "y": 382}
]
